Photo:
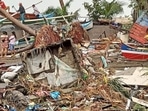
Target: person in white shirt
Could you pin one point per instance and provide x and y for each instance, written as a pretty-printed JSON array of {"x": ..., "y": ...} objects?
[
  {"x": 36, "y": 11},
  {"x": 12, "y": 40}
]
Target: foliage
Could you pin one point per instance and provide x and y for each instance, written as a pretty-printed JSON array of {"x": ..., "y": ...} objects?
[
  {"x": 137, "y": 4},
  {"x": 138, "y": 107},
  {"x": 103, "y": 8},
  {"x": 117, "y": 86},
  {"x": 67, "y": 5},
  {"x": 59, "y": 11},
  {"x": 133, "y": 4},
  {"x": 62, "y": 11}
]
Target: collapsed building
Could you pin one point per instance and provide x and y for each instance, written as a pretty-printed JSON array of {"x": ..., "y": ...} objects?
[
  {"x": 64, "y": 70},
  {"x": 57, "y": 74}
]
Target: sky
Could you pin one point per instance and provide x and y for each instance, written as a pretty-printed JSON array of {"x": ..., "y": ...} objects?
[{"x": 76, "y": 4}]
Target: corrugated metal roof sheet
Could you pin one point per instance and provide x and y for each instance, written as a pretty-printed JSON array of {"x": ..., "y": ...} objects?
[
  {"x": 138, "y": 32},
  {"x": 139, "y": 28}
]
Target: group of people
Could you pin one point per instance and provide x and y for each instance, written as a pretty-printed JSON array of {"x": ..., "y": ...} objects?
[
  {"x": 7, "y": 43},
  {"x": 21, "y": 10}
]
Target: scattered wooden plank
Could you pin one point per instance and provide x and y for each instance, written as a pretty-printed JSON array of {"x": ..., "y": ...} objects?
[{"x": 140, "y": 101}]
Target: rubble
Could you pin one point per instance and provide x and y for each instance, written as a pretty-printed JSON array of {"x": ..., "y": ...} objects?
[{"x": 70, "y": 74}]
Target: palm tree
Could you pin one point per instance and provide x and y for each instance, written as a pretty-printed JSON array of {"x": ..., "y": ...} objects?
[
  {"x": 112, "y": 8},
  {"x": 60, "y": 11},
  {"x": 61, "y": 3},
  {"x": 57, "y": 11},
  {"x": 64, "y": 7},
  {"x": 103, "y": 8},
  {"x": 63, "y": 10}
]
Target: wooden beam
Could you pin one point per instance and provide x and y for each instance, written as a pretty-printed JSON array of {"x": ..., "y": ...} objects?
[{"x": 18, "y": 23}]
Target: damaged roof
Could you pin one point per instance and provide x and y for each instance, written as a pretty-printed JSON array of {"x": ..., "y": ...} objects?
[{"x": 139, "y": 29}]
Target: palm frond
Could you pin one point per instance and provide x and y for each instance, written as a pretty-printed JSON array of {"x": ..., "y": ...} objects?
[
  {"x": 116, "y": 85},
  {"x": 67, "y": 4}
]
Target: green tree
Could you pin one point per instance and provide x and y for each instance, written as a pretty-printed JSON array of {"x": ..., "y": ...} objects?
[
  {"x": 100, "y": 8},
  {"x": 63, "y": 10},
  {"x": 138, "y": 4},
  {"x": 59, "y": 11},
  {"x": 65, "y": 7}
]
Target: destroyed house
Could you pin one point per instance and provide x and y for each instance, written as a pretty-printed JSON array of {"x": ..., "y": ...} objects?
[{"x": 58, "y": 63}]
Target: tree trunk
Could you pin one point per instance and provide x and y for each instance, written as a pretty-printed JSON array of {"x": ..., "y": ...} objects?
[
  {"x": 18, "y": 23},
  {"x": 61, "y": 3}
]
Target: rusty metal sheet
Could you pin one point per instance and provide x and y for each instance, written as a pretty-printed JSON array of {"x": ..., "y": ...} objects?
[{"x": 46, "y": 36}]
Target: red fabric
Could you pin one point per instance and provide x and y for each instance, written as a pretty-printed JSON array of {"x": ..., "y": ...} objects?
[{"x": 2, "y": 5}]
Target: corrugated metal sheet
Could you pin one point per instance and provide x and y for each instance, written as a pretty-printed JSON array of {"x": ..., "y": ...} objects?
[
  {"x": 139, "y": 28},
  {"x": 138, "y": 32}
]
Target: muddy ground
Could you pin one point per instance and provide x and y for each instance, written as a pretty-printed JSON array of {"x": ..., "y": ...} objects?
[{"x": 98, "y": 30}]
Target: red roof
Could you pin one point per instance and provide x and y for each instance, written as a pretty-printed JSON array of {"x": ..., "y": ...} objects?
[{"x": 138, "y": 32}]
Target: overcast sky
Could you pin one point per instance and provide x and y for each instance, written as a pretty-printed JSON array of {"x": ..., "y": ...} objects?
[{"x": 76, "y": 4}]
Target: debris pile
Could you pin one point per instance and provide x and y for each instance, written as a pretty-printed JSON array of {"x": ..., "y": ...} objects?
[
  {"x": 57, "y": 75},
  {"x": 46, "y": 36},
  {"x": 48, "y": 83},
  {"x": 77, "y": 33}
]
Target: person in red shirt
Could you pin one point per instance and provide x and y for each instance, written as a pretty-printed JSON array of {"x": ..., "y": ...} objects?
[{"x": 3, "y": 6}]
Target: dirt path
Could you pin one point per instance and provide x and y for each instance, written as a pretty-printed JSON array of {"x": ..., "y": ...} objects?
[{"x": 99, "y": 29}]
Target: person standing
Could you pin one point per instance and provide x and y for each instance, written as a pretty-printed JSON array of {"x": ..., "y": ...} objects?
[
  {"x": 36, "y": 11},
  {"x": 4, "y": 43},
  {"x": 3, "y": 6},
  {"x": 12, "y": 40},
  {"x": 21, "y": 10}
]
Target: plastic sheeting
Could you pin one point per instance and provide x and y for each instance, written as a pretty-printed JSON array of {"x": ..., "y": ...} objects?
[{"x": 63, "y": 74}]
